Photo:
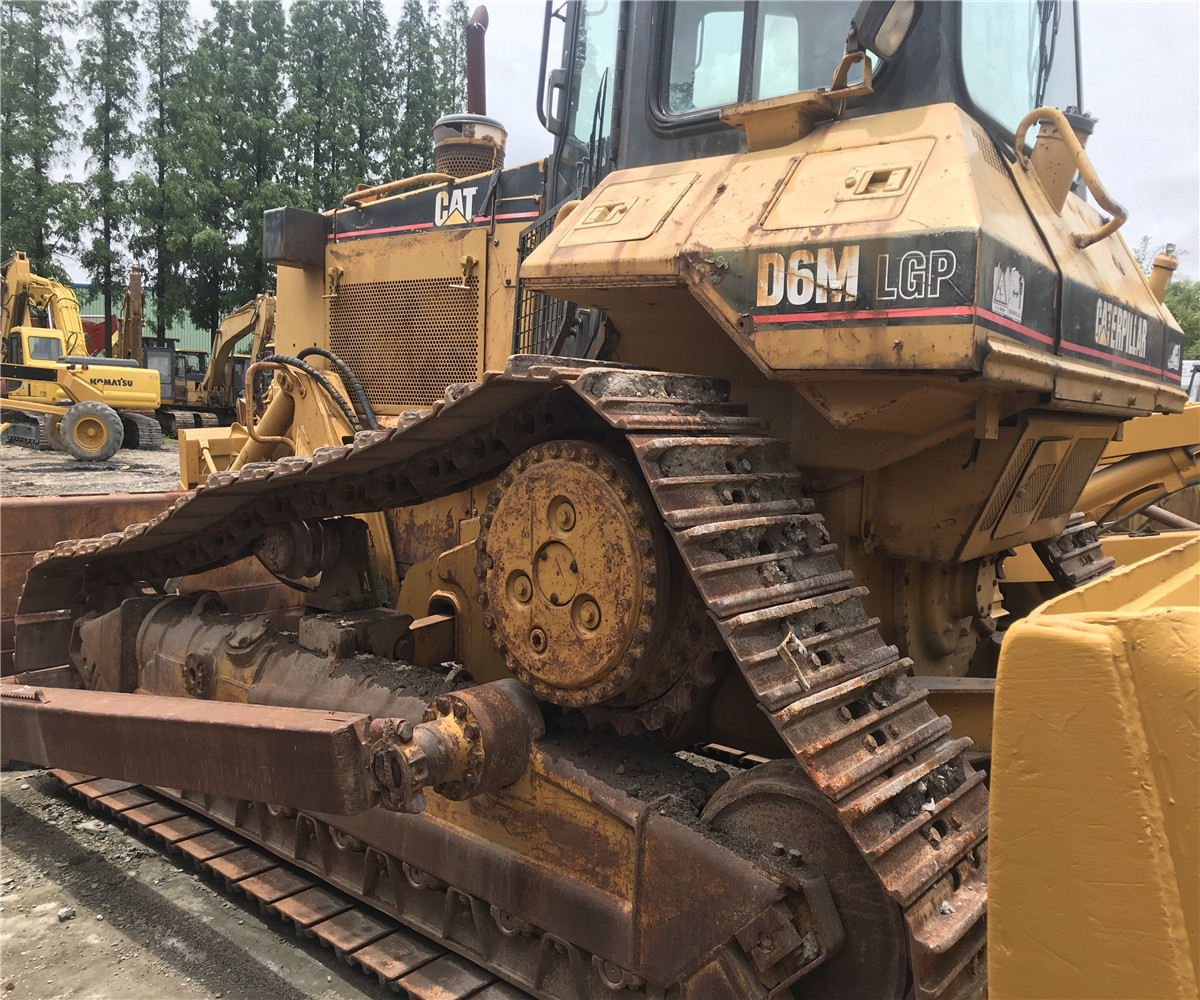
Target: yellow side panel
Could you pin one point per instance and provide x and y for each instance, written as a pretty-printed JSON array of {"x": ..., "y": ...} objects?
[{"x": 1094, "y": 887}]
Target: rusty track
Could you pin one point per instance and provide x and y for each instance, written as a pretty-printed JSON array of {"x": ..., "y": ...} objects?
[
  {"x": 359, "y": 935},
  {"x": 838, "y": 695}
]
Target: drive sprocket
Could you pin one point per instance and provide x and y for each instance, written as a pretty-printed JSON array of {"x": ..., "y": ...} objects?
[{"x": 574, "y": 571}]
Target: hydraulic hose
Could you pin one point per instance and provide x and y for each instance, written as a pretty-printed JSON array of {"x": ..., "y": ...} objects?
[
  {"x": 322, "y": 381},
  {"x": 350, "y": 379}
]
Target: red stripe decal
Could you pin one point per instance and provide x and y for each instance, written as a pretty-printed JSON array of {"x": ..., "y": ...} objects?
[
  {"x": 429, "y": 225},
  {"x": 1002, "y": 321},
  {"x": 864, "y": 314},
  {"x": 1092, "y": 352},
  {"x": 389, "y": 229}
]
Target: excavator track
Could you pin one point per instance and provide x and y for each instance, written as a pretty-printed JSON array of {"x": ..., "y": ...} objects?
[
  {"x": 840, "y": 698},
  {"x": 142, "y": 431},
  {"x": 359, "y": 935}
]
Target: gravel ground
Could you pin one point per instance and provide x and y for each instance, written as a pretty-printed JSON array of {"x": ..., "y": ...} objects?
[
  {"x": 143, "y": 926},
  {"x": 29, "y": 472}
]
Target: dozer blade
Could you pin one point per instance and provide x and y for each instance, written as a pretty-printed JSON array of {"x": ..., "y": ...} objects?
[{"x": 298, "y": 757}]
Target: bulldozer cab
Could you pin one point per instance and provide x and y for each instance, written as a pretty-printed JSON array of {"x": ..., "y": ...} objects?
[{"x": 642, "y": 84}]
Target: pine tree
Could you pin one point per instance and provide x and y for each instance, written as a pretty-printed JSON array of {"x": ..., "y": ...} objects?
[
  {"x": 369, "y": 98},
  {"x": 108, "y": 77},
  {"x": 160, "y": 196},
  {"x": 257, "y": 151},
  {"x": 212, "y": 115},
  {"x": 314, "y": 49},
  {"x": 39, "y": 214},
  {"x": 452, "y": 58},
  {"x": 416, "y": 70}
]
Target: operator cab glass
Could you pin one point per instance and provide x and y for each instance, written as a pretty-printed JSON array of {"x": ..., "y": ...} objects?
[
  {"x": 721, "y": 53},
  {"x": 644, "y": 83},
  {"x": 1017, "y": 56},
  {"x": 45, "y": 348}
]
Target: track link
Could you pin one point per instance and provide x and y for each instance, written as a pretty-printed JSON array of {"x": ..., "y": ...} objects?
[
  {"x": 401, "y": 959},
  {"x": 142, "y": 431},
  {"x": 760, "y": 556}
]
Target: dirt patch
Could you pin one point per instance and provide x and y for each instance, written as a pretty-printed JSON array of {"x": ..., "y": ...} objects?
[
  {"x": 29, "y": 472},
  {"x": 144, "y": 926}
]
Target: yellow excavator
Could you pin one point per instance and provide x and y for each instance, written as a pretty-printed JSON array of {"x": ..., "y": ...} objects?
[
  {"x": 202, "y": 388},
  {"x": 570, "y": 611},
  {"x": 55, "y": 394}
]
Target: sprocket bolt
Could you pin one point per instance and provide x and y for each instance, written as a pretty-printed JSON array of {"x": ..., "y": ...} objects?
[
  {"x": 564, "y": 516},
  {"x": 537, "y": 639},
  {"x": 589, "y": 615}
]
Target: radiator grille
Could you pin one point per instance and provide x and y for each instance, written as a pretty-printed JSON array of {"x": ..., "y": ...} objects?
[
  {"x": 1009, "y": 483},
  {"x": 539, "y": 318},
  {"x": 1076, "y": 470},
  {"x": 1035, "y": 486},
  {"x": 407, "y": 340}
]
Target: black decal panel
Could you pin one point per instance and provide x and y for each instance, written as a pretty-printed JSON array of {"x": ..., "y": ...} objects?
[
  {"x": 446, "y": 206},
  {"x": 1105, "y": 331}
]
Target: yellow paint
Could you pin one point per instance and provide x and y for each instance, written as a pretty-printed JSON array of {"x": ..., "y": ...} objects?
[{"x": 1094, "y": 885}]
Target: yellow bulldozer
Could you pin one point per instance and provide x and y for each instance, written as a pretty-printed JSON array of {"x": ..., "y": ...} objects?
[
  {"x": 55, "y": 394},
  {"x": 581, "y": 598}
]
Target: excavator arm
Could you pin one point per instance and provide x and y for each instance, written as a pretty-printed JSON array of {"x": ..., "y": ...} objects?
[{"x": 256, "y": 317}]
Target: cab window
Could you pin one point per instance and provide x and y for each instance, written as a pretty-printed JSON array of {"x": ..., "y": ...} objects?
[
  {"x": 720, "y": 52},
  {"x": 1019, "y": 56},
  {"x": 45, "y": 348}
]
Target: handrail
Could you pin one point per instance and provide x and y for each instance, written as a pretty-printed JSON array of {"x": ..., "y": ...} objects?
[
  {"x": 1086, "y": 171},
  {"x": 268, "y": 438},
  {"x": 379, "y": 190}
]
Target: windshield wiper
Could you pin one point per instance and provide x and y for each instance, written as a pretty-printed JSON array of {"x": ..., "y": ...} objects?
[{"x": 1049, "y": 15}]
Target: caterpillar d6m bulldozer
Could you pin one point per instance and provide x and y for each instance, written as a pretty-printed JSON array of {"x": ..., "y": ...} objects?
[{"x": 627, "y": 502}]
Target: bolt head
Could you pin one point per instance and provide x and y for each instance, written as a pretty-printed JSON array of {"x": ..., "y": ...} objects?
[
  {"x": 471, "y": 731},
  {"x": 589, "y": 615},
  {"x": 564, "y": 516},
  {"x": 869, "y": 743},
  {"x": 844, "y": 714},
  {"x": 442, "y": 704}
]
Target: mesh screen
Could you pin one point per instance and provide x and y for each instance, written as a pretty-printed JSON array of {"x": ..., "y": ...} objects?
[
  {"x": 1012, "y": 476},
  {"x": 467, "y": 157},
  {"x": 407, "y": 340},
  {"x": 1035, "y": 486},
  {"x": 538, "y": 317},
  {"x": 1076, "y": 469}
]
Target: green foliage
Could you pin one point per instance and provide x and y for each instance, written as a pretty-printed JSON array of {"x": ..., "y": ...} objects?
[
  {"x": 1183, "y": 299},
  {"x": 412, "y": 145},
  {"x": 39, "y": 210},
  {"x": 108, "y": 79},
  {"x": 261, "y": 105},
  {"x": 159, "y": 194},
  {"x": 452, "y": 58},
  {"x": 1183, "y": 294}
]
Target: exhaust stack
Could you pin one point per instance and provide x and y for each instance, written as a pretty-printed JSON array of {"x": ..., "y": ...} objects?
[{"x": 471, "y": 143}]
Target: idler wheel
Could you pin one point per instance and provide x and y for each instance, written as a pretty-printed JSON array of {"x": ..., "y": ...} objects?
[
  {"x": 573, "y": 565},
  {"x": 774, "y": 810}
]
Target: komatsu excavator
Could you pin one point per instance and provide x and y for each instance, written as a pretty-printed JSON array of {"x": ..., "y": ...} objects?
[
  {"x": 621, "y": 506},
  {"x": 56, "y": 394}
]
